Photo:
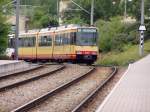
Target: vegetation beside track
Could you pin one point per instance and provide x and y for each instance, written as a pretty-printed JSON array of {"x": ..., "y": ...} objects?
[{"x": 130, "y": 54}]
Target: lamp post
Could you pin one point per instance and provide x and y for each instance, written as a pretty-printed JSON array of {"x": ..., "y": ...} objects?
[
  {"x": 92, "y": 13},
  {"x": 17, "y": 29},
  {"x": 125, "y": 8},
  {"x": 58, "y": 14}
]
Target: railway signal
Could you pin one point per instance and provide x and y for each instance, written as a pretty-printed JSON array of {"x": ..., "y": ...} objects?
[
  {"x": 142, "y": 28},
  {"x": 141, "y": 50}
]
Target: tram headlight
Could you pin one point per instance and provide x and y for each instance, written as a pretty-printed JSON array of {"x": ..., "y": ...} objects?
[{"x": 94, "y": 53}]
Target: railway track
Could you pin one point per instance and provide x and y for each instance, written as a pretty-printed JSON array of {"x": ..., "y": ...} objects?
[
  {"x": 42, "y": 98},
  {"x": 86, "y": 100},
  {"x": 16, "y": 79},
  {"x": 18, "y": 72},
  {"x": 22, "y": 94},
  {"x": 38, "y": 101}
]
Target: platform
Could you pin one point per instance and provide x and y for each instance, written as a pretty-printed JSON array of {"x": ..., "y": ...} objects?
[
  {"x": 132, "y": 92},
  {"x": 10, "y": 65}
]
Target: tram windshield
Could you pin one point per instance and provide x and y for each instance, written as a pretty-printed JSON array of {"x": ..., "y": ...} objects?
[{"x": 86, "y": 37}]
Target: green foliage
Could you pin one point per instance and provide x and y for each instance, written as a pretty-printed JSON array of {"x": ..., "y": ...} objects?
[
  {"x": 41, "y": 14},
  {"x": 123, "y": 58},
  {"x": 131, "y": 29},
  {"x": 4, "y": 30},
  {"x": 104, "y": 9},
  {"x": 75, "y": 20},
  {"x": 41, "y": 19},
  {"x": 114, "y": 34},
  {"x": 147, "y": 33},
  {"x": 107, "y": 9},
  {"x": 111, "y": 36}
]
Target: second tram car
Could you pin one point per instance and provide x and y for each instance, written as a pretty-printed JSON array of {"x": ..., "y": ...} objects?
[{"x": 65, "y": 43}]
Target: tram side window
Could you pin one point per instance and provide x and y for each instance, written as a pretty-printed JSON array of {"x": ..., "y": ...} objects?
[
  {"x": 58, "y": 40},
  {"x": 72, "y": 38},
  {"x": 27, "y": 42},
  {"x": 49, "y": 41},
  {"x": 20, "y": 42},
  {"x": 45, "y": 41},
  {"x": 66, "y": 39},
  {"x": 32, "y": 41}
]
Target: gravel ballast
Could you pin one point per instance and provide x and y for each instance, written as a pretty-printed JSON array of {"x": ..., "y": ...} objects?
[
  {"x": 20, "y": 70},
  {"x": 66, "y": 100},
  {"x": 101, "y": 95},
  {"x": 24, "y": 76},
  {"x": 16, "y": 97}
]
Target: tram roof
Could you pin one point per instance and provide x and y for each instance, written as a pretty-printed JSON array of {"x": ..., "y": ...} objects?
[{"x": 55, "y": 29}]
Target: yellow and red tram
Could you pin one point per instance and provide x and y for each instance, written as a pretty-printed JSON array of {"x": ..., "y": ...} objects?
[{"x": 65, "y": 43}]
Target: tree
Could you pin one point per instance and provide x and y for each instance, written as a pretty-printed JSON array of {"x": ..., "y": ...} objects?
[
  {"x": 44, "y": 13},
  {"x": 4, "y": 29},
  {"x": 115, "y": 34},
  {"x": 104, "y": 9},
  {"x": 42, "y": 19}
]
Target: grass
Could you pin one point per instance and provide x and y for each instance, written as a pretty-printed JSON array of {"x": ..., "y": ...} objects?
[{"x": 130, "y": 54}]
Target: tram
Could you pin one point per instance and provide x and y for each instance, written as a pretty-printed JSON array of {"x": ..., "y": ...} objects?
[{"x": 71, "y": 43}]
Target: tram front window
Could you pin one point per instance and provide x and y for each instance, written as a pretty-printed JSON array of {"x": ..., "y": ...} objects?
[{"x": 86, "y": 37}]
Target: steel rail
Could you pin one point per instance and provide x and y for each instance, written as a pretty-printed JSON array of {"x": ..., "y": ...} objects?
[
  {"x": 31, "y": 79},
  {"x": 91, "y": 95},
  {"x": 20, "y": 72},
  {"x": 44, "y": 97}
]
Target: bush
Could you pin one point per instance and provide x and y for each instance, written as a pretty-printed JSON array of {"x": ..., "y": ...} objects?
[
  {"x": 114, "y": 34},
  {"x": 4, "y": 29},
  {"x": 131, "y": 29},
  {"x": 147, "y": 33},
  {"x": 75, "y": 20},
  {"x": 111, "y": 34}
]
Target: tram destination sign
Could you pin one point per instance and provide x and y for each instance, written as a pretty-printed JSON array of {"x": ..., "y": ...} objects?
[{"x": 87, "y": 30}]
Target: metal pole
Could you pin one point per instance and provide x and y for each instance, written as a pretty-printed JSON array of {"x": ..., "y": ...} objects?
[
  {"x": 141, "y": 47},
  {"x": 92, "y": 13},
  {"x": 58, "y": 15},
  {"x": 142, "y": 12},
  {"x": 17, "y": 29},
  {"x": 125, "y": 9}
]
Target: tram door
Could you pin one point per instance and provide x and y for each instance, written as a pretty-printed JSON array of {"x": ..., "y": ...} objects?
[
  {"x": 72, "y": 42},
  {"x": 58, "y": 52},
  {"x": 44, "y": 50},
  {"x": 27, "y": 49},
  {"x": 66, "y": 45}
]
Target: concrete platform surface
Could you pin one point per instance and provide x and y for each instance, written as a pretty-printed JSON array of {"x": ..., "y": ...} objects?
[
  {"x": 10, "y": 65},
  {"x": 132, "y": 92}
]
